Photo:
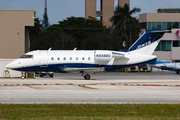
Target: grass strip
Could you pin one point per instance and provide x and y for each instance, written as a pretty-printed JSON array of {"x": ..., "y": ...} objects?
[{"x": 89, "y": 111}]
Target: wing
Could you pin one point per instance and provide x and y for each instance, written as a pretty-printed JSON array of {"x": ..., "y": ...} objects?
[
  {"x": 115, "y": 55},
  {"x": 92, "y": 69}
]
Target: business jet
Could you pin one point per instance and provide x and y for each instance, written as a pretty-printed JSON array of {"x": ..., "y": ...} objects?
[
  {"x": 166, "y": 66},
  {"x": 89, "y": 61}
]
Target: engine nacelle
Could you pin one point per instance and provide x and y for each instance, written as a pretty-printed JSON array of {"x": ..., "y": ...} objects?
[{"x": 103, "y": 56}]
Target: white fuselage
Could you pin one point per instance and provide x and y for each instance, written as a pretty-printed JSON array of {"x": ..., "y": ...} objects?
[
  {"x": 59, "y": 60},
  {"x": 167, "y": 66}
]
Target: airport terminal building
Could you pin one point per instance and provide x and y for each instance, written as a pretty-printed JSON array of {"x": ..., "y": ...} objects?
[
  {"x": 14, "y": 36},
  {"x": 167, "y": 19}
]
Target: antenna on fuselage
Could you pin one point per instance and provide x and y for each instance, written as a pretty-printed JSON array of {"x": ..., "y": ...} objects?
[
  {"x": 49, "y": 49},
  {"x": 75, "y": 49}
]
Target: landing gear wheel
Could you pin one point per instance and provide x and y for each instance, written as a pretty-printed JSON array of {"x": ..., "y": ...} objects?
[
  {"x": 87, "y": 77},
  {"x": 22, "y": 77}
]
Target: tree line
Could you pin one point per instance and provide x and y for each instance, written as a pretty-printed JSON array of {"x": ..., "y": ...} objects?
[{"x": 87, "y": 34}]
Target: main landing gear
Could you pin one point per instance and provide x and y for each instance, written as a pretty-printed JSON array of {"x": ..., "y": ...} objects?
[{"x": 87, "y": 77}]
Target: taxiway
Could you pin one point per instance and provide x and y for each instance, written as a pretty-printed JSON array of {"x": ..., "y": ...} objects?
[{"x": 103, "y": 88}]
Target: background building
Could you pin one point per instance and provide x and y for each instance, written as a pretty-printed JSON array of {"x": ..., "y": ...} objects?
[
  {"x": 169, "y": 46},
  {"x": 14, "y": 35},
  {"x": 106, "y": 9}
]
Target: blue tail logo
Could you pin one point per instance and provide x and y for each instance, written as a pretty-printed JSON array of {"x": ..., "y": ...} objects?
[{"x": 147, "y": 38}]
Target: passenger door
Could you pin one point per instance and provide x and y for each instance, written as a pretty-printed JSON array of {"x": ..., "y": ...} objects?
[{"x": 43, "y": 58}]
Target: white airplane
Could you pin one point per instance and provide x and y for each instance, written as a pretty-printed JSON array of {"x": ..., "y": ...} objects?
[
  {"x": 166, "y": 66},
  {"x": 89, "y": 61}
]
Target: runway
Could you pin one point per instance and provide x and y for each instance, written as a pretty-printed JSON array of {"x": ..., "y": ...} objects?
[{"x": 103, "y": 88}]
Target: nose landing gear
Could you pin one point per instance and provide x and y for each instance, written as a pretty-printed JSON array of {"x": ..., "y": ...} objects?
[{"x": 23, "y": 74}]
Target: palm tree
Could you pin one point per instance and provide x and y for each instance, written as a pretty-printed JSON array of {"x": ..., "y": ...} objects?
[{"x": 123, "y": 21}]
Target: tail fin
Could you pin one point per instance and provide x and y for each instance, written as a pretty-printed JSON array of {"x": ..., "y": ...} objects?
[{"x": 147, "y": 43}]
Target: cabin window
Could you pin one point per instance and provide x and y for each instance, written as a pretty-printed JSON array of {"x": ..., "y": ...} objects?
[
  {"x": 29, "y": 56},
  {"x": 76, "y": 58},
  {"x": 82, "y": 58},
  {"x": 64, "y": 58},
  {"x": 70, "y": 58},
  {"x": 58, "y": 58},
  {"x": 52, "y": 58},
  {"x": 26, "y": 56},
  {"x": 89, "y": 58}
]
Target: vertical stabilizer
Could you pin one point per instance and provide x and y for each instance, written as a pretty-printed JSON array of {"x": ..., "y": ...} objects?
[{"x": 147, "y": 42}]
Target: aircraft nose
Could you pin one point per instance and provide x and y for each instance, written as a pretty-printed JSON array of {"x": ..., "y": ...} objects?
[
  {"x": 14, "y": 64},
  {"x": 9, "y": 66}
]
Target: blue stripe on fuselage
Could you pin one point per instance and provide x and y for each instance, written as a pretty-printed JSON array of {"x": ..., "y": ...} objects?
[{"x": 55, "y": 67}]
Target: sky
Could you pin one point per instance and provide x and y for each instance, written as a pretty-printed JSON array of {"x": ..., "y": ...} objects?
[{"x": 58, "y": 10}]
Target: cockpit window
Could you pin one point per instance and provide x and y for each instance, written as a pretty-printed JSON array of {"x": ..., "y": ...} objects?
[{"x": 26, "y": 56}]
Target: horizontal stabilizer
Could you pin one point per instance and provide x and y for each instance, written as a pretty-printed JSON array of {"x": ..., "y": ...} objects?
[{"x": 118, "y": 55}]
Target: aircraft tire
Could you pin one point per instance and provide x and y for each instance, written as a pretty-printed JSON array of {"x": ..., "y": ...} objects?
[
  {"x": 22, "y": 77},
  {"x": 87, "y": 77}
]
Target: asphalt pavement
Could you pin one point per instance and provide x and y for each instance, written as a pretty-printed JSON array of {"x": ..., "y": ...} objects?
[{"x": 103, "y": 88}]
